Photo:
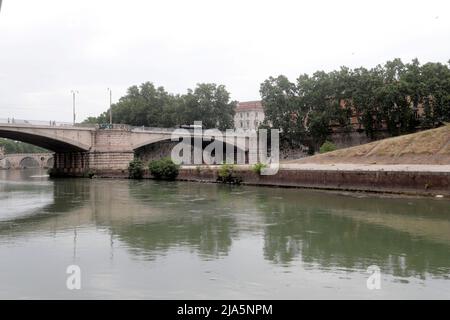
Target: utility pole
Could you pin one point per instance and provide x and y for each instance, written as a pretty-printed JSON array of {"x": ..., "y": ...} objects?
[
  {"x": 110, "y": 106},
  {"x": 74, "y": 92}
]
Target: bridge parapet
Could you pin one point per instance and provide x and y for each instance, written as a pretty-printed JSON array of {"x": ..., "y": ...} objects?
[{"x": 42, "y": 123}]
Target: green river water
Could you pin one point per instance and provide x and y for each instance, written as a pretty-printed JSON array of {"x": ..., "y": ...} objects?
[{"x": 178, "y": 240}]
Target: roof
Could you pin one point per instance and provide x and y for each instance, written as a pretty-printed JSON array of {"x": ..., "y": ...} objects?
[{"x": 249, "y": 105}]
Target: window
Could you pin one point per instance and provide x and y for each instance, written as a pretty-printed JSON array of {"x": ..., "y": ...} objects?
[
  {"x": 241, "y": 124},
  {"x": 241, "y": 114},
  {"x": 248, "y": 123},
  {"x": 247, "y": 114}
]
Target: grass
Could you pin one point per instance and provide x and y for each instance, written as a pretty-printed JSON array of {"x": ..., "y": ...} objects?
[{"x": 430, "y": 146}]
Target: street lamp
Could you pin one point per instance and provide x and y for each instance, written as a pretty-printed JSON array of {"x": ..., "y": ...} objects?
[
  {"x": 74, "y": 92},
  {"x": 110, "y": 108}
]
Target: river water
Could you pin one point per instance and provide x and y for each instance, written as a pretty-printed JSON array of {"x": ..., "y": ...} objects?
[{"x": 178, "y": 240}]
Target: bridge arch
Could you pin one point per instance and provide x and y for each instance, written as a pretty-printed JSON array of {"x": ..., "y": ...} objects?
[
  {"x": 142, "y": 139},
  {"x": 159, "y": 147},
  {"x": 50, "y": 162},
  {"x": 29, "y": 162},
  {"x": 46, "y": 138}
]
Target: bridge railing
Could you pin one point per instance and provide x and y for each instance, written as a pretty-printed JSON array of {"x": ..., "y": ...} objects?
[
  {"x": 14, "y": 121},
  {"x": 151, "y": 129},
  {"x": 104, "y": 126},
  {"x": 51, "y": 123}
]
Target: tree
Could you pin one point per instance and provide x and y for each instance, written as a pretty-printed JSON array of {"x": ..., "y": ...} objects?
[
  {"x": 436, "y": 93},
  {"x": 152, "y": 106},
  {"x": 306, "y": 110},
  {"x": 387, "y": 97},
  {"x": 283, "y": 109},
  {"x": 394, "y": 100},
  {"x": 142, "y": 106},
  {"x": 11, "y": 146},
  {"x": 210, "y": 104}
]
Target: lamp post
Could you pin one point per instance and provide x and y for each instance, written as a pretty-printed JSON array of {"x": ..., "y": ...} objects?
[
  {"x": 74, "y": 92},
  {"x": 110, "y": 104}
]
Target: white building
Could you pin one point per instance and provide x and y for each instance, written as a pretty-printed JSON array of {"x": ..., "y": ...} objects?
[{"x": 249, "y": 115}]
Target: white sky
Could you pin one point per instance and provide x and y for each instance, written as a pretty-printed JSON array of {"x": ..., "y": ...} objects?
[{"x": 49, "y": 47}]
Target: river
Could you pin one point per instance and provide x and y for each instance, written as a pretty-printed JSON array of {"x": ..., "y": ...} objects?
[{"x": 177, "y": 240}]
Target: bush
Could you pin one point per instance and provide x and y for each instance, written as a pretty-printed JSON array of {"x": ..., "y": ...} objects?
[
  {"x": 257, "y": 167},
  {"x": 327, "y": 147},
  {"x": 163, "y": 169},
  {"x": 135, "y": 169},
  {"x": 226, "y": 174},
  {"x": 89, "y": 174}
]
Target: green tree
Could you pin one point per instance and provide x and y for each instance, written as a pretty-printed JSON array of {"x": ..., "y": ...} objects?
[
  {"x": 387, "y": 97},
  {"x": 283, "y": 109},
  {"x": 152, "y": 106},
  {"x": 210, "y": 104},
  {"x": 11, "y": 146},
  {"x": 436, "y": 93}
]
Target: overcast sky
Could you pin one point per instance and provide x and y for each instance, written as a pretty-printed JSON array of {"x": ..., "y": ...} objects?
[{"x": 49, "y": 47}]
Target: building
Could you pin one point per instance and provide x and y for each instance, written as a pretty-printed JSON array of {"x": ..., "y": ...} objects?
[{"x": 249, "y": 115}]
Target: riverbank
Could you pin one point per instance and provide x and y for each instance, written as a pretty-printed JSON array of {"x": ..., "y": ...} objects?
[
  {"x": 416, "y": 180},
  {"x": 402, "y": 179}
]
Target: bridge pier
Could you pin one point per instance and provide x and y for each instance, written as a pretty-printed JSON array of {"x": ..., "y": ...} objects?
[
  {"x": 111, "y": 160},
  {"x": 71, "y": 163},
  {"x": 81, "y": 163}
]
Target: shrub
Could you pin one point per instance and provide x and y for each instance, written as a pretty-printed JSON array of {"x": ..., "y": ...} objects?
[
  {"x": 327, "y": 147},
  {"x": 257, "y": 167},
  {"x": 163, "y": 169},
  {"x": 226, "y": 174},
  {"x": 89, "y": 174},
  {"x": 135, "y": 169}
]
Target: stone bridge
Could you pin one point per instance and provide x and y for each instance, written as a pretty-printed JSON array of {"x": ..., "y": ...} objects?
[
  {"x": 80, "y": 148},
  {"x": 26, "y": 160}
]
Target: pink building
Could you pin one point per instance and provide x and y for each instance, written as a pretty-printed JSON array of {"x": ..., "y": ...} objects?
[{"x": 249, "y": 115}]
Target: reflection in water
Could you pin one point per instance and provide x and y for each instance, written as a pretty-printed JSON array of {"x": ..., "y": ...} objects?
[
  {"x": 130, "y": 229},
  {"x": 403, "y": 239}
]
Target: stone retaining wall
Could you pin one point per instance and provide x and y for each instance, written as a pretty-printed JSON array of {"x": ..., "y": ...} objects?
[
  {"x": 423, "y": 183},
  {"x": 400, "y": 182}
]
